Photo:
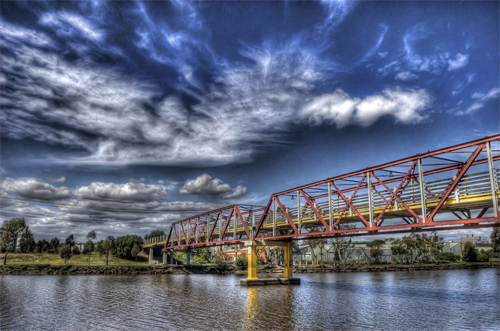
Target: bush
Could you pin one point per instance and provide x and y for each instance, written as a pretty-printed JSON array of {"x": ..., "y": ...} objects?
[
  {"x": 179, "y": 256},
  {"x": 241, "y": 262},
  {"x": 75, "y": 250},
  {"x": 220, "y": 260},
  {"x": 447, "y": 257},
  {"x": 482, "y": 257}
]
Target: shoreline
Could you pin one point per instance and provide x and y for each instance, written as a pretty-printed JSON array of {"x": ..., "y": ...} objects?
[{"x": 44, "y": 270}]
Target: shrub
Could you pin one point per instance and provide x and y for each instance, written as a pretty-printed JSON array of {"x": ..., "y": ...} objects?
[
  {"x": 241, "y": 262},
  {"x": 220, "y": 260},
  {"x": 446, "y": 257}
]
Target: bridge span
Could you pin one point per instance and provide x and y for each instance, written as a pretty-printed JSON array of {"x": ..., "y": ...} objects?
[{"x": 455, "y": 187}]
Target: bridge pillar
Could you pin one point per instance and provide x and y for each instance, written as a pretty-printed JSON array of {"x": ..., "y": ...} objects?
[
  {"x": 188, "y": 257},
  {"x": 252, "y": 261},
  {"x": 253, "y": 280},
  {"x": 172, "y": 257},
  {"x": 288, "y": 265},
  {"x": 165, "y": 257},
  {"x": 150, "y": 258}
]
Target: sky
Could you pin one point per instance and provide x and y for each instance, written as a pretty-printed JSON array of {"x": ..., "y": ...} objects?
[{"x": 122, "y": 117}]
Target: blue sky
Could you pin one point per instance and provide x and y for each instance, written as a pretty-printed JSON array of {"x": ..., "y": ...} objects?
[{"x": 121, "y": 117}]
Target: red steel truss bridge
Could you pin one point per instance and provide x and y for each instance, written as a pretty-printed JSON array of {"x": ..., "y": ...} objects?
[{"x": 451, "y": 188}]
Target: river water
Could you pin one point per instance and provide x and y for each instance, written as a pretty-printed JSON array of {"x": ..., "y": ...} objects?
[{"x": 405, "y": 300}]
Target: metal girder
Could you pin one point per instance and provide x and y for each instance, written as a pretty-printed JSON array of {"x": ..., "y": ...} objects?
[{"x": 446, "y": 184}]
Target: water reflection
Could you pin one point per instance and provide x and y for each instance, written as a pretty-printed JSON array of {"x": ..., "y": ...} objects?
[{"x": 350, "y": 301}]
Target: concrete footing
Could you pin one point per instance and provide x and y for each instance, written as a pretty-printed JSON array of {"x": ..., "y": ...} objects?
[{"x": 269, "y": 281}]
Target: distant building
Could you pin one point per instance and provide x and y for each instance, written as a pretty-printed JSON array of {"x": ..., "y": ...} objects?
[
  {"x": 474, "y": 240},
  {"x": 454, "y": 248}
]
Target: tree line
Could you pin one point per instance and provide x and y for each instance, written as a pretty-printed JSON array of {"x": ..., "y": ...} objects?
[{"x": 123, "y": 247}]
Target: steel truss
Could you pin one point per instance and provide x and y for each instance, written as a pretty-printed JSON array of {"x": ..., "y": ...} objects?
[{"x": 451, "y": 188}]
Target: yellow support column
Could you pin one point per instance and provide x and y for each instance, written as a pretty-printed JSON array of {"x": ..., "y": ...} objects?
[
  {"x": 252, "y": 261},
  {"x": 288, "y": 260}
]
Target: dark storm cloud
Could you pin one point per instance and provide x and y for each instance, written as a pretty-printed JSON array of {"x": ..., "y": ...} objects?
[
  {"x": 61, "y": 89},
  {"x": 107, "y": 207},
  {"x": 33, "y": 188}
]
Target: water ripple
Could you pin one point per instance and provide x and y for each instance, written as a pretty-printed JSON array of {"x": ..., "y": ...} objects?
[{"x": 413, "y": 300}]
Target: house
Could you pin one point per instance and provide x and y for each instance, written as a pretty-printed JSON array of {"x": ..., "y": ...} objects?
[{"x": 454, "y": 248}]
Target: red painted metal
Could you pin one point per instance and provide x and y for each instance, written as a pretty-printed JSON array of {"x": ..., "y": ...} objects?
[{"x": 438, "y": 185}]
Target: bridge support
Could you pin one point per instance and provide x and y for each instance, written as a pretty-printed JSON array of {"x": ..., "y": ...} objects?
[
  {"x": 188, "y": 258},
  {"x": 253, "y": 280},
  {"x": 165, "y": 257},
  {"x": 150, "y": 258}
]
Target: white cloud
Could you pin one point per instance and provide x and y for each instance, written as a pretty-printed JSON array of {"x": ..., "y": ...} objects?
[
  {"x": 460, "y": 61},
  {"x": 337, "y": 107},
  {"x": 33, "y": 188},
  {"x": 406, "y": 107},
  {"x": 491, "y": 94},
  {"x": 480, "y": 100},
  {"x": 66, "y": 23},
  {"x": 131, "y": 191},
  {"x": 60, "y": 180},
  {"x": 204, "y": 184},
  {"x": 405, "y": 76}
]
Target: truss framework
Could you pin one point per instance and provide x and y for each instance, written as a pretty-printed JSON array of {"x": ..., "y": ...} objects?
[{"x": 450, "y": 188}]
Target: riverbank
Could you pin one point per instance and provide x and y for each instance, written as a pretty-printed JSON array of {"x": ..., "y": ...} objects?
[{"x": 33, "y": 269}]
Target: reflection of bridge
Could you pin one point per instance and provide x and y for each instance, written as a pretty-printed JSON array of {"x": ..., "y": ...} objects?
[{"x": 451, "y": 188}]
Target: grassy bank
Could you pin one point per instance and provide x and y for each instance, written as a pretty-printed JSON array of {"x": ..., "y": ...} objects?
[{"x": 55, "y": 260}]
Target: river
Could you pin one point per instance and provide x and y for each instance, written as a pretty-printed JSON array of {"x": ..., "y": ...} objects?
[{"x": 405, "y": 300}]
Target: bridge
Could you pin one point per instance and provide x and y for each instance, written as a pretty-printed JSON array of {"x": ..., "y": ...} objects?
[{"x": 451, "y": 188}]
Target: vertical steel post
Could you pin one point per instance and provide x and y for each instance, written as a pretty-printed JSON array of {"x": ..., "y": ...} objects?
[
  {"x": 330, "y": 214},
  {"x": 493, "y": 179},
  {"x": 252, "y": 233},
  {"x": 299, "y": 213},
  {"x": 370, "y": 197},
  {"x": 220, "y": 229},
  {"x": 234, "y": 223},
  {"x": 197, "y": 230},
  {"x": 274, "y": 217},
  {"x": 422, "y": 189}
]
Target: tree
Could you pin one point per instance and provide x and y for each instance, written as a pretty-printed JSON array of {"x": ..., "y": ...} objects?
[
  {"x": 91, "y": 235},
  {"x": 341, "y": 245},
  {"x": 88, "y": 248},
  {"x": 376, "y": 249},
  {"x": 75, "y": 250},
  {"x": 495, "y": 239},
  {"x": 10, "y": 231},
  {"x": 27, "y": 242},
  {"x": 202, "y": 255},
  {"x": 54, "y": 245},
  {"x": 469, "y": 253},
  {"x": 135, "y": 251},
  {"x": 399, "y": 250},
  {"x": 124, "y": 245},
  {"x": 106, "y": 247},
  {"x": 65, "y": 253},
  {"x": 70, "y": 241}
]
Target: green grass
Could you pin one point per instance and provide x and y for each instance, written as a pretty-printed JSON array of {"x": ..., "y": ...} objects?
[{"x": 54, "y": 259}]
